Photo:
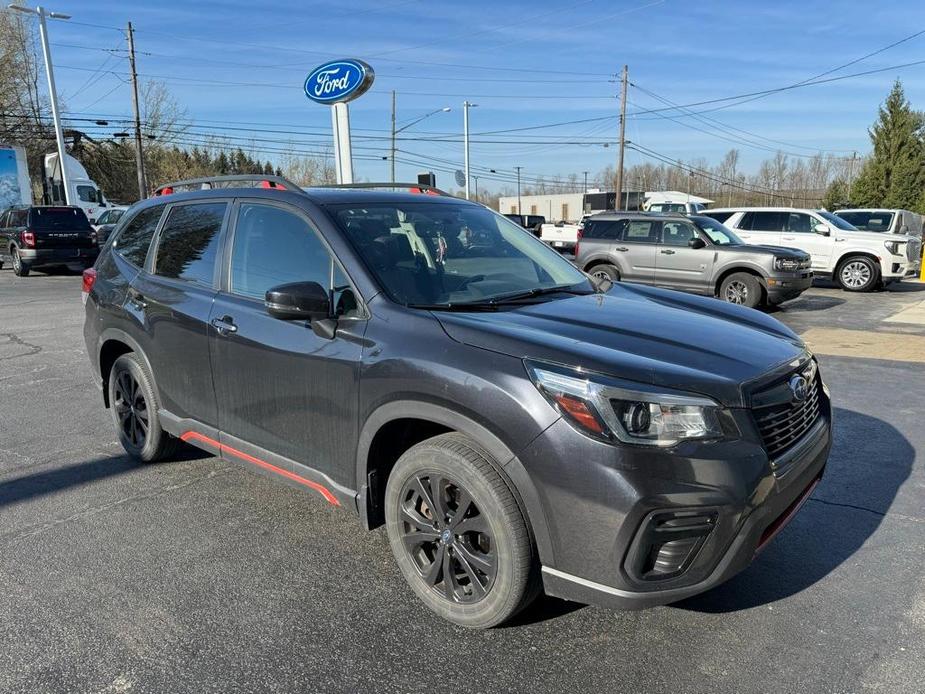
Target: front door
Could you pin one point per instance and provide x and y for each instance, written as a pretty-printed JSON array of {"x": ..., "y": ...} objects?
[
  {"x": 679, "y": 266},
  {"x": 798, "y": 233},
  {"x": 281, "y": 388},
  {"x": 173, "y": 298}
]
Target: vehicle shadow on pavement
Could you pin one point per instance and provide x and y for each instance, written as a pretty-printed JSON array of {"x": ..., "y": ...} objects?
[
  {"x": 870, "y": 461},
  {"x": 50, "y": 481}
]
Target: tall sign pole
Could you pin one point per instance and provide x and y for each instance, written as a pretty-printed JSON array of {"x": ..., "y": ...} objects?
[
  {"x": 619, "y": 185},
  {"x": 392, "y": 154},
  {"x": 139, "y": 155},
  {"x": 335, "y": 84}
]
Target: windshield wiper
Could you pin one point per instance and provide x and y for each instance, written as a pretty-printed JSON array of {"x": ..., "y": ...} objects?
[{"x": 515, "y": 297}]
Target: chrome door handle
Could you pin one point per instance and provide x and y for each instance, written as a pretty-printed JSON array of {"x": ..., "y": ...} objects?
[
  {"x": 667, "y": 252},
  {"x": 224, "y": 325},
  {"x": 788, "y": 238},
  {"x": 622, "y": 249}
]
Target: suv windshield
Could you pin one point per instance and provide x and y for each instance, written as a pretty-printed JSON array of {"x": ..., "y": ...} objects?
[
  {"x": 836, "y": 221},
  {"x": 719, "y": 234},
  {"x": 868, "y": 221},
  {"x": 58, "y": 219},
  {"x": 441, "y": 254}
]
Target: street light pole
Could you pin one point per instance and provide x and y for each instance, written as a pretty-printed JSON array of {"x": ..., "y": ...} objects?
[
  {"x": 518, "y": 188},
  {"x": 405, "y": 127},
  {"x": 41, "y": 12},
  {"x": 466, "y": 106}
]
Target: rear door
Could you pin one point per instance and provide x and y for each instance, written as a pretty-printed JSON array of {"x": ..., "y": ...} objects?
[
  {"x": 798, "y": 233},
  {"x": 762, "y": 227},
  {"x": 638, "y": 243},
  {"x": 679, "y": 266},
  {"x": 598, "y": 239},
  {"x": 174, "y": 296}
]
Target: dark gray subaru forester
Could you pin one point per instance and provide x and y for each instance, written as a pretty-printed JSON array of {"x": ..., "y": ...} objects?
[{"x": 430, "y": 365}]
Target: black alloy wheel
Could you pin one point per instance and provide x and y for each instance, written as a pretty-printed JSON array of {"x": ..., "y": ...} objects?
[
  {"x": 131, "y": 409},
  {"x": 447, "y": 538}
]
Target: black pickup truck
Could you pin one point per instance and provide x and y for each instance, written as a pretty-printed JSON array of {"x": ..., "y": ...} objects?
[{"x": 36, "y": 236}]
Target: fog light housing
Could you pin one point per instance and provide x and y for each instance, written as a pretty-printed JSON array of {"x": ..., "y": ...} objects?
[{"x": 668, "y": 542}]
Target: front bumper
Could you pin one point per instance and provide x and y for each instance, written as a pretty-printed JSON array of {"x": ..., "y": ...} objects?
[
  {"x": 785, "y": 286},
  {"x": 36, "y": 257},
  {"x": 601, "y": 502}
]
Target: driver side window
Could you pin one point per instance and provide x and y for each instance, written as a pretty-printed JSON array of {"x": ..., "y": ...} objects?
[
  {"x": 274, "y": 246},
  {"x": 677, "y": 233}
]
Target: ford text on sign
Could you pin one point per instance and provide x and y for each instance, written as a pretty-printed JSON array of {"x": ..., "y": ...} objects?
[{"x": 339, "y": 80}]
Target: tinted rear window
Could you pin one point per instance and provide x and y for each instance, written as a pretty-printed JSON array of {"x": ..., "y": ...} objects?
[
  {"x": 188, "y": 242},
  {"x": 608, "y": 229},
  {"x": 719, "y": 216},
  {"x": 135, "y": 238},
  {"x": 765, "y": 221},
  {"x": 58, "y": 219}
]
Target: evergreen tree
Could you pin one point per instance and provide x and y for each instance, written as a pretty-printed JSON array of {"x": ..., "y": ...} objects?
[
  {"x": 836, "y": 195},
  {"x": 894, "y": 175}
]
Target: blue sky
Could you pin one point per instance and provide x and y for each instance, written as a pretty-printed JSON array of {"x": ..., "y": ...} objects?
[{"x": 237, "y": 64}]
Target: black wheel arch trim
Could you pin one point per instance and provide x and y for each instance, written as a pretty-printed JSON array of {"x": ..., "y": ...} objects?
[
  {"x": 509, "y": 466},
  {"x": 118, "y": 335}
]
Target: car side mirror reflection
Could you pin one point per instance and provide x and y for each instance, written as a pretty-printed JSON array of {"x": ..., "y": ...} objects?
[
  {"x": 298, "y": 301},
  {"x": 822, "y": 229},
  {"x": 696, "y": 242}
]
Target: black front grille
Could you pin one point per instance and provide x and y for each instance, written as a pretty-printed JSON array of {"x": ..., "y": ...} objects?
[{"x": 783, "y": 424}]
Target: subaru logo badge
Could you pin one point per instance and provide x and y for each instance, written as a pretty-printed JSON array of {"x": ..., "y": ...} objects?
[{"x": 798, "y": 387}]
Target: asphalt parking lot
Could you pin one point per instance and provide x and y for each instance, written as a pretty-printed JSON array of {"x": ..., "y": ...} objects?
[{"x": 199, "y": 575}]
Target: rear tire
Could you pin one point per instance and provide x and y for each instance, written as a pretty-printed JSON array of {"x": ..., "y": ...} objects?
[
  {"x": 447, "y": 507},
  {"x": 741, "y": 288},
  {"x": 20, "y": 269},
  {"x": 133, "y": 403},
  {"x": 858, "y": 274}
]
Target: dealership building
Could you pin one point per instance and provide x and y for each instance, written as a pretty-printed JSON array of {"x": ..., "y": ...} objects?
[{"x": 569, "y": 207}]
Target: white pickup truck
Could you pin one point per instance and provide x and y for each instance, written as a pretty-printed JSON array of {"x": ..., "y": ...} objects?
[{"x": 562, "y": 236}]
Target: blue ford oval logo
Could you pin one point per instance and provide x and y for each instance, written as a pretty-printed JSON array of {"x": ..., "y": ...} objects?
[
  {"x": 798, "y": 387},
  {"x": 339, "y": 80}
]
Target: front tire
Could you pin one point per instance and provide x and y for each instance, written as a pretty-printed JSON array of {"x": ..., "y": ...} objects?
[
  {"x": 133, "y": 403},
  {"x": 741, "y": 288},
  {"x": 858, "y": 274},
  {"x": 20, "y": 269},
  {"x": 458, "y": 534}
]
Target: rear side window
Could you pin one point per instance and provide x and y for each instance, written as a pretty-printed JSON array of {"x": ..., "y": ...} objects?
[
  {"x": 135, "y": 238},
  {"x": 764, "y": 221},
  {"x": 188, "y": 242},
  {"x": 641, "y": 231},
  {"x": 720, "y": 217},
  {"x": 58, "y": 219},
  {"x": 604, "y": 229}
]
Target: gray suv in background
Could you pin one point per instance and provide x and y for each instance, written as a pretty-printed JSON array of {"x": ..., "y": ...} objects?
[{"x": 694, "y": 254}]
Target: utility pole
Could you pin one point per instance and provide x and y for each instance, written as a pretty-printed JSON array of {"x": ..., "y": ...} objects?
[
  {"x": 586, "y": 181},
  {"x": 41, "y": 12},
  {"x": 476, "y": 179},
  {"x": 139, "y": 155},
  {"x": 466, "y": 106},
  {"x": 619, "y": 185},
  {"x": 392, "y": 156},
  {"x": 518, "y": 188}
]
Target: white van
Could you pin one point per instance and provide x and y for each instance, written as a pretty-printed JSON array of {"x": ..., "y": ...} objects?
[
  {"x": 884, "y": 221},
  {"x": 858, "y": 260}
]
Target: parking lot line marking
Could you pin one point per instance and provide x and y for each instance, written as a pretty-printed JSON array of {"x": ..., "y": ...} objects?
[
  {"x": 838, "y": 342},
  {"x": 914, "y": 314}
]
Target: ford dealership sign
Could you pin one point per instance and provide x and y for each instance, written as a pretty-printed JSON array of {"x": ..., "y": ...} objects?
[{"x": 339, "y": 81}]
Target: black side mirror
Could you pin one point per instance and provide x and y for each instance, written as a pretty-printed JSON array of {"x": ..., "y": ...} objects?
[
  {"x": 696, "y": 242},
  {"x": 298, "y": 301}
]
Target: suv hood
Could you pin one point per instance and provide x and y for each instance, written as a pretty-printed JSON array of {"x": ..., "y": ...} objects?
[
  {"x": 643, "y": 334},
  {"x": 779, "y": 251},
  {"x": 869, "y": 236}
]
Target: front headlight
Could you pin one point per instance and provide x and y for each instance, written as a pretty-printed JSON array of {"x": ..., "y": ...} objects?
[
  {"x": 786, "y": 264},
  {"x": 893, "y": 246},
  {"x": 613, "y": 410}
]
